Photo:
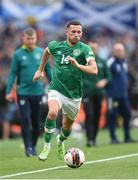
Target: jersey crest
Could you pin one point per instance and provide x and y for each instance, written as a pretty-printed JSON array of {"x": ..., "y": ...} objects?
[
  {"x": 38, "y": 56},
  {"x": 76, "y": 52}
]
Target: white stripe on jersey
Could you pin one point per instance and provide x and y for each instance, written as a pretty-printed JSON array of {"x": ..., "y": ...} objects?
[
  {"x": 110, "y": 61},
  {"x": 48, "y": 50},
  {"x": 90, "y": 58}
]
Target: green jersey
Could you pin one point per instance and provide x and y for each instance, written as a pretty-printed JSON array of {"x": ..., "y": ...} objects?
[
  {"x": 24, "y": 65},
  {"x": 67, "y": 79}
]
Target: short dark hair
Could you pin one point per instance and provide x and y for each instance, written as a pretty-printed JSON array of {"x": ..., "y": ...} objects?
[
  {"x": 29, "y": 31},
  {"x": 73, "y": 23}
]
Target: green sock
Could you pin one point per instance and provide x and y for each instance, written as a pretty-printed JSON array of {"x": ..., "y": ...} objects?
[
  {"x": 64, "y": 134},
  {"x": 50, "y": 125}
]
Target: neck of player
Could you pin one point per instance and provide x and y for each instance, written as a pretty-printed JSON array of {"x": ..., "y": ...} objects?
[{"x": 70, "y": 43}]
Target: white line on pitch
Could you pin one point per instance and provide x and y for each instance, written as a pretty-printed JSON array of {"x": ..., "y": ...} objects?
[{"x": 60, "y": 167}]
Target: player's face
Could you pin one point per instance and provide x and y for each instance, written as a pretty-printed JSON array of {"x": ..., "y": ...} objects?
[
  {"x": 29, "y": 41},
  {"x": 74, "y": 33}
]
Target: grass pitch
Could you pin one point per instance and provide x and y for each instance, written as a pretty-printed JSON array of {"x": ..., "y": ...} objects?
[{"x": 105, "y": 161}]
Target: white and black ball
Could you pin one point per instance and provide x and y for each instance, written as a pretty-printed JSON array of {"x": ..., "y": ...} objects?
[{"x": 74, "y": 157}]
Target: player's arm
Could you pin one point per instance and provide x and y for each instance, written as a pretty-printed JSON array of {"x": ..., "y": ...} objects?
[
  {"x": 90, "y": 68},
  {"x": 106, "y": 76},
  {"x": 11, "y": 79},
  {"x": 40, "y": 72}
]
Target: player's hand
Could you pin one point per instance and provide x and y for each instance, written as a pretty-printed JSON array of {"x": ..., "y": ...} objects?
[
  {"x": 9, "y": 98},
  {"x": 72, "y": 61},
  {"x": 38, "y": 75}
]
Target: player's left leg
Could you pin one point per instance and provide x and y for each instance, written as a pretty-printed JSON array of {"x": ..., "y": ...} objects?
[
  {"x": 70, "y": 112},
  {"x": 125, "y": 111},
  {"x": 65, "y": 132},
  {"x": 97, "y": 104}
]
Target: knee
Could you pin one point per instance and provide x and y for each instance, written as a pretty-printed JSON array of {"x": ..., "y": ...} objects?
[{"x": 52, "y": 114}]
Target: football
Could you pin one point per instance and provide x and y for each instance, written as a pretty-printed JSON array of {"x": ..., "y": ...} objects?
[{"x": 74, "y": 157}]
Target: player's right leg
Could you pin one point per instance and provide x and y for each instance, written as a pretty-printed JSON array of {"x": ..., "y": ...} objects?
[
  {"x": 50, "y": 125},
  {"x": 45, "y": 152}
]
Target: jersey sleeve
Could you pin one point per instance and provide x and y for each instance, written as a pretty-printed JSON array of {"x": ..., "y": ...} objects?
[
  {"x": 88, "y": 54},
  {"x": 51, "y": 46},
  {"x": 12, "y": 74}
]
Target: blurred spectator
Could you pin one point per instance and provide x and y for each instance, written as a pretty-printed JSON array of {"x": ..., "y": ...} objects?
[
  {"x": 117, "y": 92},
  {"x": 7, "y": 112},
  {"x": 104, "y": 48},
  {"x": 25, "y": 62},
  {"x": 133, "y": 87},
  {"x": 9, "y": 31},
  {"x": 94, "y": 92},
  {"x": 3, "y": 107}
]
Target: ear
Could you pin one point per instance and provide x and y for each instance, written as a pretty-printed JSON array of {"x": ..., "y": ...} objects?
[{"x": 66, "y": 31}]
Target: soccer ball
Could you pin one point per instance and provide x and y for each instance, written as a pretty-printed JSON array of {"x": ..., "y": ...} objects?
[{"x": 74, "y": 157}]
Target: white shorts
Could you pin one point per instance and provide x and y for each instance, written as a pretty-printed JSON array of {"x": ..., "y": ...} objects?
[{"x": 70, "y": 107}]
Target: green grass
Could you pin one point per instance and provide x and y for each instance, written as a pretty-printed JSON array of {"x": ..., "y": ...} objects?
[{"x": 13, "y": 160}]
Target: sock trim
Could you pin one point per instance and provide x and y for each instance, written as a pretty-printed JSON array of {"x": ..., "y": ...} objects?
[
  {"x": 63, "y": 135},
  {"x": 49, "y": 130}
]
